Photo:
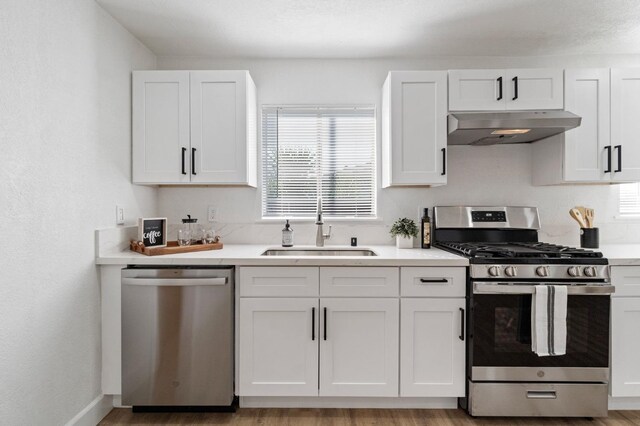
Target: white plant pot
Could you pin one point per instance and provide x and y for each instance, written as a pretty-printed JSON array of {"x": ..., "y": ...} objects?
[{"x": 404, "y": 242}]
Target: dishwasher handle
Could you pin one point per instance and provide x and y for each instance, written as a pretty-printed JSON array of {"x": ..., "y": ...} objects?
[{"x": 175, "y": 282}]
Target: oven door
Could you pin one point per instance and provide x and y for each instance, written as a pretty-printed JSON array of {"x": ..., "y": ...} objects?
[{"x": 500, "y": 338}]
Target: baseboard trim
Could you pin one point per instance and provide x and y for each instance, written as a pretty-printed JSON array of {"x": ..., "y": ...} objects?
[
  {"x": 346, "y": 402},
  {"x": 93, "y": 413},
  {"x": 622, "y": 403}
]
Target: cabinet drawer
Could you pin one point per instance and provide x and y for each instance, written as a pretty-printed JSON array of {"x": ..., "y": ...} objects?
[
  {"x": 359, "y": 282},
  {"x": 268, "y": 281},
  {"x": 432, "y": 282},
  {"x": 626, "y": 280}
]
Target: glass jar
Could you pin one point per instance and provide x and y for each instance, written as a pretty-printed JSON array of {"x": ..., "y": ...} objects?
[{"x": 195, "y": 230}]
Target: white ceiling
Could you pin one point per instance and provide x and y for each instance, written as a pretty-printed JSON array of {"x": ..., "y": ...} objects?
[{"x": 380, "y": 28}]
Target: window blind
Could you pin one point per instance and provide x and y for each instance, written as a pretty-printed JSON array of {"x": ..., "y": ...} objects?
[
  {"x": 630, "y": 199},
  {"x": 316, "y": 151}
]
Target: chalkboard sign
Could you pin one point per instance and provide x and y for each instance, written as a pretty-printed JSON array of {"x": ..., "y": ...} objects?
[{"x": 153, "y": 231}]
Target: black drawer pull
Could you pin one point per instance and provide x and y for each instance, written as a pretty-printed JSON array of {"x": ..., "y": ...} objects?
[
  {"x": 515, "y": 88},
  {"x": 619, "y": 148},
  {"x": 608, "y": 148},
  {"x": 499, "y": 89},
  {"x": 434, "y": 280},
  {"x": 461, "y": 324},
  {"x": 184, "y": 151},
  {"x": 313, "y": 323},
  {"x": 193, "y": 161}
]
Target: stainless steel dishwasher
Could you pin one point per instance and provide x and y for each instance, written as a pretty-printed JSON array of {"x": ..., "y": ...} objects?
[{"x": 177, "y": 337}]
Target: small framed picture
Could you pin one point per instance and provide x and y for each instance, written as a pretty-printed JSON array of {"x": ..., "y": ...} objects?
[{"x": 152, "y": 231}]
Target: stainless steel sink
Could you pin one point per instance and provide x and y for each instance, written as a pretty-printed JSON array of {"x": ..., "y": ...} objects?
[{"x": 319, "y": 252}]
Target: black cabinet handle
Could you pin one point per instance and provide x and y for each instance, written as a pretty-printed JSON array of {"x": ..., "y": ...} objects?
[
  {"x": 325, "y": 323},
  {"x": 193, "y": 161},
  {"x": 461, "y": 324},
  {"x": 184, "y": 151},
  {"x": 499, "y": 89},
  {"x": 608, "y": 148},
  {"x": 434, "y": 280},
  {"x": 313, "y": 323},
  {"x": 515, "y": 87},
  {"x": 444, "y": 161},
  {"x": 619, "y": 148}
]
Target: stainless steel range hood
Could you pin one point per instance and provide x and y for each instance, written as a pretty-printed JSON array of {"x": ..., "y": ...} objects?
[{"x": 489, "y": 128}]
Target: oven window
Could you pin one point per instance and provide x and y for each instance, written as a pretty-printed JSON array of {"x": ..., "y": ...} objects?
[{"x": 502, "y": 332}]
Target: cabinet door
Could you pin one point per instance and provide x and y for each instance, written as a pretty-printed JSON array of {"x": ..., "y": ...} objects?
[
  {"x": 625, "y": 124},
  {"x": 414, "y": 128},
  {"x": 278, "y": 347},
  {"x": 432, "y": 354},
  {"x": 219, "y": 131},
  {"x": 625, "y": 346},
  {"x": 160, "y": 127},
  {"x": 477, "y": 90},
  {"x": 539, "y": 88},
  {"x": 585, "y": 152},
  {"x": 359, "y": 347}
]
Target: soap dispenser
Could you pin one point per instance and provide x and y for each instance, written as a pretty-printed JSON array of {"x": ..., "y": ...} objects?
[{"x": 287, "y": 235}]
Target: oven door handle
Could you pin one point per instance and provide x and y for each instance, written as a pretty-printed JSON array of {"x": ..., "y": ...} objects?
[{"x": 576, "y": 290}]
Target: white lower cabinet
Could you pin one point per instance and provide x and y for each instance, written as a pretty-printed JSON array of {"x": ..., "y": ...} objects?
[
  {"x": 359, "y": 347},
  {"x": 345, "y": 337},
  {"x": 432, "y": 352},
  {"x": 625, "y": 347},
  {"x": 278, "y": 347}
]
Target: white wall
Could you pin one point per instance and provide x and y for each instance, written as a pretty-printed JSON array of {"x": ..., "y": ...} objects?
[
  {"x": 65, "y": 162},
  {"x": 477, "y": 175}
]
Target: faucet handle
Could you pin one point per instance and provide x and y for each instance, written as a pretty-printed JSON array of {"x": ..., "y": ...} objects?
[{"x": 328, "y": 234}]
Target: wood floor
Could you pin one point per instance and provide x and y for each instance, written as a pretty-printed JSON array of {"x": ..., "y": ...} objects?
[{"x": 351, "y": 417}]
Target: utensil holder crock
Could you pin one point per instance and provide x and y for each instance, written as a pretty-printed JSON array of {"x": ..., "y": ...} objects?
[{"x": 589, "y": 238}]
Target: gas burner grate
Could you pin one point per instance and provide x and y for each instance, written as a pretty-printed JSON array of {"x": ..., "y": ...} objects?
[{"x": 531, "y": 250}]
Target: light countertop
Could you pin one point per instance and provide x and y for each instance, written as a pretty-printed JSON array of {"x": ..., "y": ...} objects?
[
  {"x": 249, "y": 254},
  {"x": 621, "y": 254}
]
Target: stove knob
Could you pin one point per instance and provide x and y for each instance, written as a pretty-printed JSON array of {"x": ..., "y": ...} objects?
[
  {"x": 590, "y": 271},
  {"x": 494, "y": 271},
  {"x": 542, "y": 271},
  {"x": 511, "y": 271},
  {"x": 573, "y": 271}
]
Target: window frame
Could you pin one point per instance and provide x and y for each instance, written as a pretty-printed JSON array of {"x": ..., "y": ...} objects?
[
  {"x": 626, "y": 216},
  {"x": 376, "y": 218}
]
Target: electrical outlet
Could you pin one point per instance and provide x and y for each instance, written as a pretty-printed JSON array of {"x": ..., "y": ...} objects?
[
  {"x": 211, "y": 214},
  {"x": 119, "y": 215}
]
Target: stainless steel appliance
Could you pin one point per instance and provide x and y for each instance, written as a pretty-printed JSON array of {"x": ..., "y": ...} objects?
[
  {"x": 490, "y": 128},
  {"x": 504, "y": 376},
  {"x": 177, "y": 337}
]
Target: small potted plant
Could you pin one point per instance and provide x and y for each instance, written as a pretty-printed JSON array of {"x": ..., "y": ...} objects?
[{"x": 404, "y": 230}]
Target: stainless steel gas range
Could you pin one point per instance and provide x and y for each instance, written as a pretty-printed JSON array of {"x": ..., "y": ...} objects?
[{"x": 507, "y": 264}]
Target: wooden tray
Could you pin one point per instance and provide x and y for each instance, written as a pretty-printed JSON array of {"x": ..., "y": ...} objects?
[{"x": 172, "y": 248}]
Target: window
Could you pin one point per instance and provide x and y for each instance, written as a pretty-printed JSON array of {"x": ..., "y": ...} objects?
[
  {"x": 309, "y": 152},
  {"x": 630, "y": 199}
]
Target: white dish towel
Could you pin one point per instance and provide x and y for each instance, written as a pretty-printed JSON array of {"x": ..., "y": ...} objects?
[{"x": 549, "y": 320}]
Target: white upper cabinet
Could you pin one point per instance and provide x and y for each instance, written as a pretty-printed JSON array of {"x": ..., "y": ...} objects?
[
  {"x": 511, "y": 89},
  {"x": 587, "y": 95},
  {"x": 625, "y": 124},
  {"x": 414, "y": 128},
  {"x": 604, "y": 147},
  {"x": 536, "y": 88},
  {"x": 194, "y": 127},
  {"x": 476, "y": 90},
  {"x": 160, "y": 127}
]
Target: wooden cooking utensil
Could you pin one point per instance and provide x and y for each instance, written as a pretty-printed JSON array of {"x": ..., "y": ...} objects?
[
  {"x": 590, "y": 213},
  {"x": 575, "y": 213}
]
